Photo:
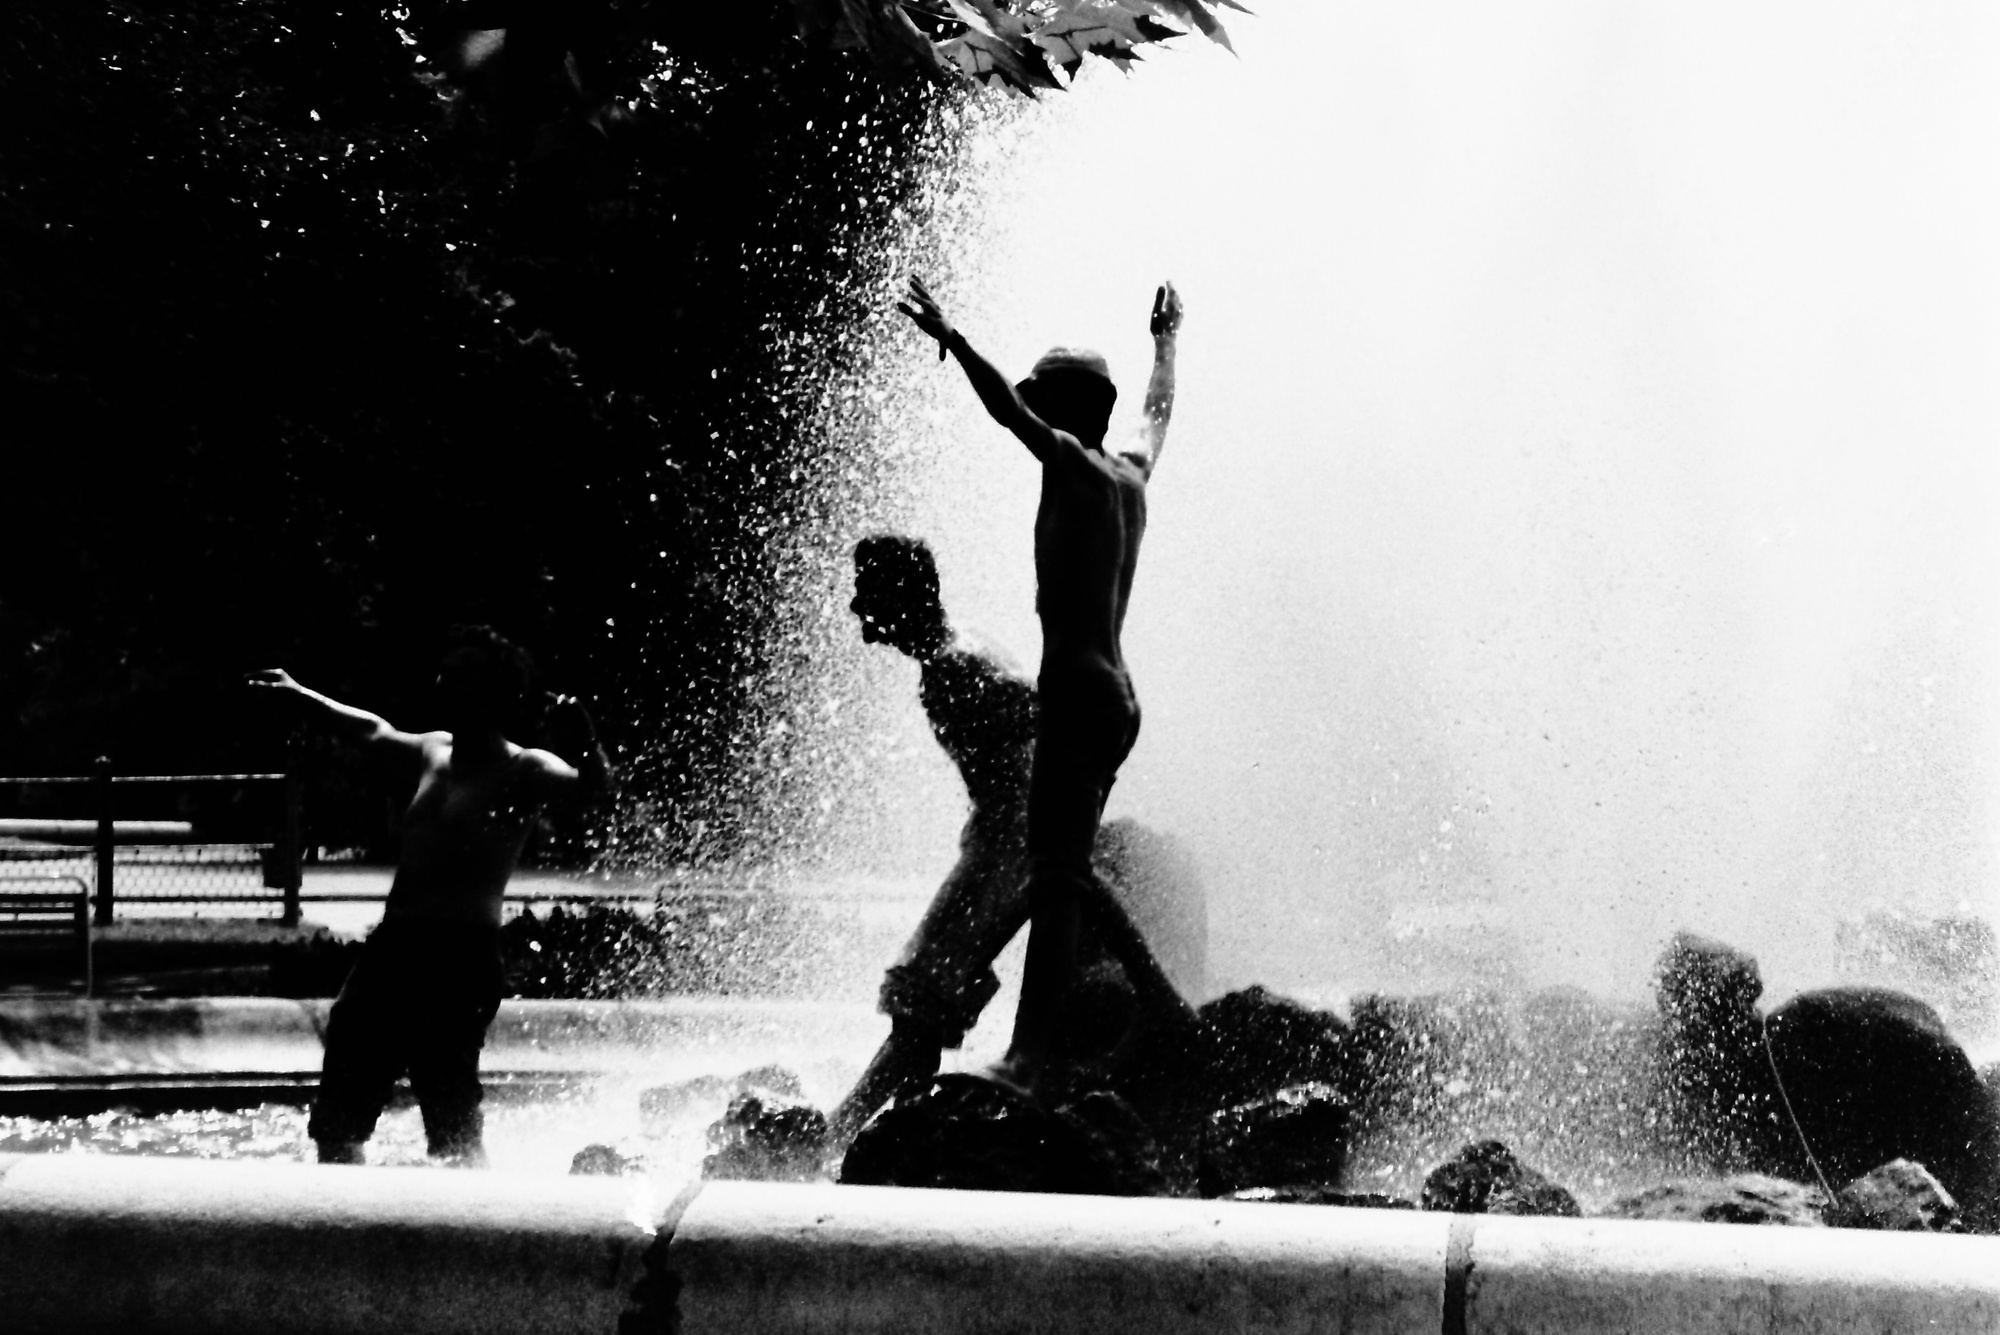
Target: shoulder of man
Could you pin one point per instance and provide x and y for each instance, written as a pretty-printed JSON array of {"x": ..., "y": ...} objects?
[
  {"x": 543, "y": 764},
  {"x": 1137, "y": 466},
  {"x": 973, "y": 649}
]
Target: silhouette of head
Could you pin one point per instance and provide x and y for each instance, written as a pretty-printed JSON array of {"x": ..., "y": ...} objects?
[
  {"x": 896, "y": 594},
  {"x": 1071, "y": 390},
  {"x": 483, "y": 681}
]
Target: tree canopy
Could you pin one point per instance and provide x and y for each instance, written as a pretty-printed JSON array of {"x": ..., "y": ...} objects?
[{"x": 329, "y": 325}]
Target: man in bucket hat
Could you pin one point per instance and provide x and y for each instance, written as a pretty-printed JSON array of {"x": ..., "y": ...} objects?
[{"x": 1087, "y": 531}]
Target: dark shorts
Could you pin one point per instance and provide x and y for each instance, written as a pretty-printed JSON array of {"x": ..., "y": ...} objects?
[
  {"x": 1084, "y": 729},
  {"x": 418, "y": 1003},
  {"x": 944, "y": 977}
]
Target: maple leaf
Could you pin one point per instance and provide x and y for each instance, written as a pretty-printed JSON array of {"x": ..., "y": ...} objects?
[
  {"x": 1099, "y": 27},
  {"x": 996, "y": 46},
  {"x": 988, "y": 17},
  {"x": 1012, "y": 43},
  {"x": 1195, "y": 13},
  {"x": 985, "y": 56}
]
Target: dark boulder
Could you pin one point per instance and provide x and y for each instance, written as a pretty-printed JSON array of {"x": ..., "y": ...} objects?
[
  {"x": 1295, "y": 1137},
  {"x": 605, "y": 1161},
  {"x": 1486, "y": 1178},
  {"x": 1260, "y": 1043},
  {"x": 1900, "y": 1197},
  {"x": 1120, "y": 1154},
  {"x": 1715, "y": 1094},
  {"x": 1872, "y": 1076},
  {"x": 1741, "y": 1198},
  {"x": 972, "y": 1134},
  {"x": 767, "y": 1137}
]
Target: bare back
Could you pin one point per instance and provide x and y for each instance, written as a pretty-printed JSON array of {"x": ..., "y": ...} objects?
[
  {"x": 1087, "y": 532},
  {"x": 462, "y": 834}
]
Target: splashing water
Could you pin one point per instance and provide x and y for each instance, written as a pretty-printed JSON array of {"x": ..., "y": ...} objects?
[{"x": 1576, "y": 521}]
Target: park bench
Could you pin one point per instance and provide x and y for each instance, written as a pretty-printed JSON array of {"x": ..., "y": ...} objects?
[{"x": 47, "y": 918}]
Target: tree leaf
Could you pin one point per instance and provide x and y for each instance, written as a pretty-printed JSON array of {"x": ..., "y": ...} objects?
[
  {"x": 1194, "y": 13},
  {"x": 991, "y": 59},
  {"x": 1092, "y": 27}
]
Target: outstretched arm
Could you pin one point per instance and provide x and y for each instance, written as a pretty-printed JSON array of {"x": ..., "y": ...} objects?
[
  {"x": 357, "y": 727},
  {"x": 1002, "y": 400},
  {"x": 1159, "y": 405}
]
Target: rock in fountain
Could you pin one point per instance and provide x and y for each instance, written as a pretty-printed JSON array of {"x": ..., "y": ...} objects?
[
  {"x": 1296, "y": 1139},
  {"x": 1486, "y": 1178},
  {"x": 971, "y": 1134},
  {"x": 1900, "y": 1196},
  {"x": 1872, "y": 1076}
]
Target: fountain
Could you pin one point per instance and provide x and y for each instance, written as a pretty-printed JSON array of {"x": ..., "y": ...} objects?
[
  {"x": 1574, "y": 525},
  {"x": 1574, "y": 529}
]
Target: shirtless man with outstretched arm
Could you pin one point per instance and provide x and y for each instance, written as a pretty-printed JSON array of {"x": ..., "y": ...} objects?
[
  {"x": 429, "y": 978},
  {"x": 1087, "y": 531}
]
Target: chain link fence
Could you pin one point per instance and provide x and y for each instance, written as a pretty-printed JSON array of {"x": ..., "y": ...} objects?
[{"x": 158, "y": 838}]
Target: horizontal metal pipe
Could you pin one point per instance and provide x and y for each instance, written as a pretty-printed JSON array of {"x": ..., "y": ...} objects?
[
  {"x": 31, "y": 779},
  {"x": 141, "y": 1246},
  {"x": 85, "y": 831}
]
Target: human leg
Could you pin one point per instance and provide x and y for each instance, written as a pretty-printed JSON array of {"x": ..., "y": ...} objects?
[
  {"x": 940, "y": 984},
  {"x": 1046, "y": 977},
  {"x": 364, "y": 1056},
  {"x": 902, "y": 1066},
  {"x": 449, "y": 1019},
  {"x": 1081, "y": 739}
]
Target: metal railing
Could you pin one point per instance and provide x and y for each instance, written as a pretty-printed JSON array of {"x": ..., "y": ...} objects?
[{"x": 165, "y": 861}]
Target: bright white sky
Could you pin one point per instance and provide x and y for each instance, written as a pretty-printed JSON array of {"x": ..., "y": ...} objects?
[{"x": 1578, "y": 520}]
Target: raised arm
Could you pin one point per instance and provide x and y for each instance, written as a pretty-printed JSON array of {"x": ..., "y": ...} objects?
[
  {"x": 356, "y": 727},
  {"x": 1159, "y": 406},
  {"x": 572, "y": 731},
  {"x": 997, "y": 392}
]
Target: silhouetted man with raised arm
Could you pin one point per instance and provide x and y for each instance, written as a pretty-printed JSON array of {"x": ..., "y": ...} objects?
[
  {"x": 429, "y": 979},
  {"x": 1087, "y": 532}
]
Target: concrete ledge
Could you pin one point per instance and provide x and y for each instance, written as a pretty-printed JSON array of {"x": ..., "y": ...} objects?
[
  {"x": 774, "y": 1259},
  {"x": 815, "y": 1260},
  {"x": 1544, "y": 1275},
  {"x": 139, "y": 1246}
]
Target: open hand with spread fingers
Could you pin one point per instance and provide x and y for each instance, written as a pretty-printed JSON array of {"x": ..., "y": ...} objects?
[{"x": 921, "y": 307}]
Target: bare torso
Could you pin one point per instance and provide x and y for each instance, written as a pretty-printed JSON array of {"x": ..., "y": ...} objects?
[
  {"x": 462, "y": 834},
  {"x": 1087, "y": 532},
  {"x": 983, "y": 713}
]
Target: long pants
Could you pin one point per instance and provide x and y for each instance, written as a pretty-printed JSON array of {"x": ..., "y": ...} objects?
[
  {"x": 418, "y": 1003},
  {"x": 944, "y": 977}
]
